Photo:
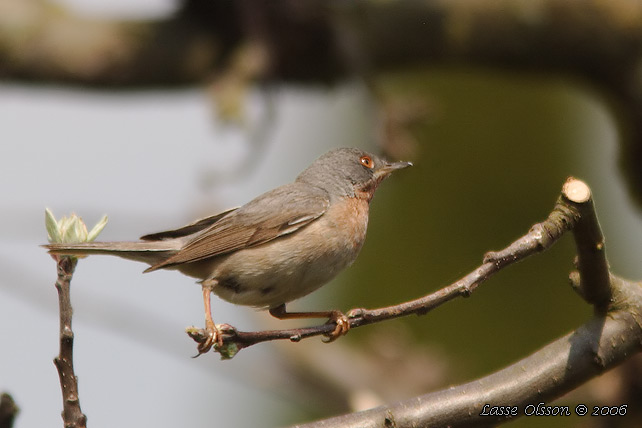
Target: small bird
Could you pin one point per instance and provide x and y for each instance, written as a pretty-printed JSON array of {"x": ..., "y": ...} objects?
[{"x": 278, "y": 247}]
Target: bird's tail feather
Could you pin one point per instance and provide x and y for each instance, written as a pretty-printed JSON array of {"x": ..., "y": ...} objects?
[{"x": 147, "y": 252}]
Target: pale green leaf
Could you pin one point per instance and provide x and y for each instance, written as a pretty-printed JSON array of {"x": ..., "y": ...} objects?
[
  {"x": 80, "y": 230},
  {"x": 53, "y": 231},
  {"x": 73, "y": 229},
  {"x": 95, "y": 231}
]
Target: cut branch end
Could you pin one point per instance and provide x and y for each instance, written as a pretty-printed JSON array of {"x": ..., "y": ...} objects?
[{"x": 576, "y": 191}]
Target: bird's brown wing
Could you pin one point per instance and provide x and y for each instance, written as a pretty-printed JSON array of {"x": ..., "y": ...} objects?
[
  {"x": 278, "y": 212},
  {"x": 190, "y": 229}
]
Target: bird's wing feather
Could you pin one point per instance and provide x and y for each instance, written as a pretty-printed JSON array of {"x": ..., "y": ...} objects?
[
  {"x": 278, "y": 212},
  {"x": 190, "y": 229}
]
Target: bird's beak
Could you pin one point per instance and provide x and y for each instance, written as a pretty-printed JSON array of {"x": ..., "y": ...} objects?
[{"x": 388, "y": 167}]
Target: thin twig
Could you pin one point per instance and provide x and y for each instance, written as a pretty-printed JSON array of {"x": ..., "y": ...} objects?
[
  {"x": 71, "y": 414},
  {"x": 541, "y": 236}
]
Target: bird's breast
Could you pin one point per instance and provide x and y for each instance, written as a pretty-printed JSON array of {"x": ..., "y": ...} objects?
[
  {"x": 347, "y": 222},
  {"x": 294, "y": 265}
]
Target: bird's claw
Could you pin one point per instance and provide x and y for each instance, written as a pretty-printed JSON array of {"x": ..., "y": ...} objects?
[
  {"x": 342, "y": 326},
  {"x": 213, "y": 338}
]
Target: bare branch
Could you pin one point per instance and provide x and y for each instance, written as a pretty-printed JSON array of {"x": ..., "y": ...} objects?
[
  {"x": 565, "y": 216},
  {"x": 600, "y": 344},
  {"x": 71, "y": 413},
  {"x": 594, "y": 282}
]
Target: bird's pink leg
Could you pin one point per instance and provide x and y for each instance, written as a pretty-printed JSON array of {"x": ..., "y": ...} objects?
[
  {"x": 213, "y": 335},
  {"x": 336, "y": 317}
]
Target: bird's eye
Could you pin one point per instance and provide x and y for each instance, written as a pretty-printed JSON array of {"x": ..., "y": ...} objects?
[{"x": 367, "y": 161}]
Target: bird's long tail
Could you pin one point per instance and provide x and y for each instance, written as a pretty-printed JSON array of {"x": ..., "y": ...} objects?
[{"x": 148, "y": 252}]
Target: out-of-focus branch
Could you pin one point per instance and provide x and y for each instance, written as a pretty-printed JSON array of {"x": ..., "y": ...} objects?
[
  {"x": 8, "y": 410},
  {"x": 321, "y": 41},
  {"x": 42, "y": 42}
]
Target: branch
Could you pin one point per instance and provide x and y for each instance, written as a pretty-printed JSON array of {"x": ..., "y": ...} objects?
[
  {"x": 327, "y": 41},
  {"x": 572, "y": 205},
  {"x": 593, "y": 283},
  {"x": 69, "y": 229},
  {"x": 8, "y": 410},
  {"x": 600, "y": 344},
  {"x": 43, "y": 41},
  {"x": 71, "y": 413}
]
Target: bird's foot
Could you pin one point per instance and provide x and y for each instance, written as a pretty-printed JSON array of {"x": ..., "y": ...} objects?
[
  {"x": 213, "y": 337},
  {"x": 342, "y": 326},
  {"x": 221, "y": 339}
]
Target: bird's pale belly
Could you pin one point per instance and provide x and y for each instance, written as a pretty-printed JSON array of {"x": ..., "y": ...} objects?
[{"x": 293, "y": 266}]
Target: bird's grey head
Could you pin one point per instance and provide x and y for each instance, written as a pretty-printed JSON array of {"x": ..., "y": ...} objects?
[{"x": 345, "y": 171}]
